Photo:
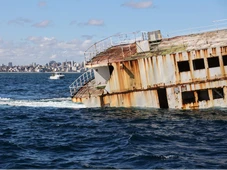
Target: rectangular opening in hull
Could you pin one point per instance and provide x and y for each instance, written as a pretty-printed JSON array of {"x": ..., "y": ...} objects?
[
  {"x": 218, "y": 93},
  {"x": 224, "y": 58},
  {"x": 188, "y": 97},
  {"x": 183, "y": 66},
  {"x": 213, "y": 62},
  {"x": 162, "y": 97},
  {"x": 198, "y": 64},
  {"x": 203, "y": 95}
]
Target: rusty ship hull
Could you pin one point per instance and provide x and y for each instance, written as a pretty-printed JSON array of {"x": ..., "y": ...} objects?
[{"x": 181, "y": 72}]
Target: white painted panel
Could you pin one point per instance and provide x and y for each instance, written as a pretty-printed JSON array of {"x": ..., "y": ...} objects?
[
  {"x": 161, "y": 77},
  {"x": 185, "y": 76},
  {"x": 216, "y": 71},
  {"x": 200, "y": 74},
  {"x": 142, "y": 46},
  {"x": 156, "y": 71},
  {"x": 102, "y": 74},
  {"x": 142, "y": 73},
  {"x": 169, "y": 70},
  {"x": 173, "y": 97}
]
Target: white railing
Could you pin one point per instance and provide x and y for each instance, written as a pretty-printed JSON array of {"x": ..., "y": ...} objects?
[
  {"x": 114, "y": 40},
  {"x": 81, "y": 81},
  {"x": 216, "y": 25}
]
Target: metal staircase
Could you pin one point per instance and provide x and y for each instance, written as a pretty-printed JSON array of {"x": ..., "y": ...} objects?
[{"x": 81, "y": 81}]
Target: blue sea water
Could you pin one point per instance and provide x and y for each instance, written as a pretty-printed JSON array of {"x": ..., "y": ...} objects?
[{"x": 41, "y": 128}]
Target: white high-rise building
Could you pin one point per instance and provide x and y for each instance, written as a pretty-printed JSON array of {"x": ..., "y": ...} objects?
[{"x": 10, "y": 64}]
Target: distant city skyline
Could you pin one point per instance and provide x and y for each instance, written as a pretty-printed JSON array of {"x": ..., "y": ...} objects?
[
  {"x": 52, "y": 66},
  {"x": 43, "y": 30},
  {"x": 10, "y": 64}
]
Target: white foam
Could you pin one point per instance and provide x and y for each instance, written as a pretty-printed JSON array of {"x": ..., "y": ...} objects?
[
  {"x": 55, "y": 102},
  {"x": 4, "y": 99}
]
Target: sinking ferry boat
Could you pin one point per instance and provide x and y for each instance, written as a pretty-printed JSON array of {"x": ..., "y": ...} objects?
[{"x": 145, "y": 70}]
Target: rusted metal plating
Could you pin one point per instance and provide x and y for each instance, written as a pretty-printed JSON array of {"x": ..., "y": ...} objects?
[{"x": 185, "y": 72}]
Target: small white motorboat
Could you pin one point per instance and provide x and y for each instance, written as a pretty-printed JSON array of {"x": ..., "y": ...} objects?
[{"x": 57, "y": 75}]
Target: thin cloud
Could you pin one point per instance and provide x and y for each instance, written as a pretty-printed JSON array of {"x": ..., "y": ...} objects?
[
  {"x": 42, "y": 4},
  {"x": 42, "y": 24},
  {"x": 53, "y": 56},
  {"x": 73, "y": 22},
  {"x": 93, "y": 22},
  {"x": 41, "y": 49},
  {"x": 42, "y": 41},
  {"x": 19, "y": 21},
  {"x": 88, "y": 37},
  {"x": 138, "y": 5}
]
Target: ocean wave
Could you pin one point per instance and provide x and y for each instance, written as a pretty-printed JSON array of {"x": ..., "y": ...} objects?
[
  {"x": 55, "y": 103},
  {"x": 4, "y": 99}
]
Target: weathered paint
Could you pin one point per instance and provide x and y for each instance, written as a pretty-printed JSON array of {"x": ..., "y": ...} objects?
[
  {"x": 149, "y": 98},
  {"x": 135, "y": 80},
  {"x": 88, "y": 101},
  {"x": 135, "y": 99}
]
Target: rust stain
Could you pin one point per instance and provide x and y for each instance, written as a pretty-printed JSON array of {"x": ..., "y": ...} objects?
[
  {"x": 164, "y": 65},
  {"x": 114, "y": 54},
  {"x": 137, "y": 75},
  {"x": 152, "y": 67},
  {"x": 207, "y": 67},
  {"x": 150, "y": 71},
  {"x": 77, "y": 100},
  {"x": 197, "y": 54},
  {"x": 191, "y": 65},
  {"x": 224, "y": 50},
  {"x": 157, "y": 72},
  {"x": 221, "y": 66},
  {"x": 214, "y": 51},
  {"x": 144, "y": 65},
  {"x": 189, "y": 54},
  {"x": 205, "y": 53},
  {"x": 121, "y": 76},
  {"x": 149, "y": 66},
  {"x": 128, "y": 99},
  {"x": 177, "y": 74},
  {"x": 180, "y": 56}
]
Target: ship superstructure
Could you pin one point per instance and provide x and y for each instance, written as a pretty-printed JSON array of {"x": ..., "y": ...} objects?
[{"x": 143, "y": 69}]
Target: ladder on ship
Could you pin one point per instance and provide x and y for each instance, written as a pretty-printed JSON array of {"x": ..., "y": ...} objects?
[{"x": 81, "y": 81}]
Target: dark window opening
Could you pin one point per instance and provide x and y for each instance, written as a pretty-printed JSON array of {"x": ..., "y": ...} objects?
[
  {"x": 188, "y": 97},
  {"x": 111, "y": 68},
  {"x": 198, "y": 64},
  {"x": 183, "y": 66},
  {"x": 224, "y": 58},
  {"x": 203, "y": 95},
  {"x": 162, "y": 97},
  {"x": 218, "y": 93},
  {"x": 213, "y": 62}
]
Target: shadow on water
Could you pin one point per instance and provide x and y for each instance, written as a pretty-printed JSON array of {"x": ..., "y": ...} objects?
[{"x": 139, "y": 113}]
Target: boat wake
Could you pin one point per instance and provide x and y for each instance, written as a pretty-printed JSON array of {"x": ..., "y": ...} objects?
[{"x": 55, "y": 103}]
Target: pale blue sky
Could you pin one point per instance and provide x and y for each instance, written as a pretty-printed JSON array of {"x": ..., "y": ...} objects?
[{"x": 43, "y": 30}]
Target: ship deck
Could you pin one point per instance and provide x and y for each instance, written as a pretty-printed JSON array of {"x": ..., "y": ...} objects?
[{"x": 165, "y": 46}]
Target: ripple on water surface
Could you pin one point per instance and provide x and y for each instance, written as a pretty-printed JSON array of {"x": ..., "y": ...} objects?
[{"x": 57, "y": 137}]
